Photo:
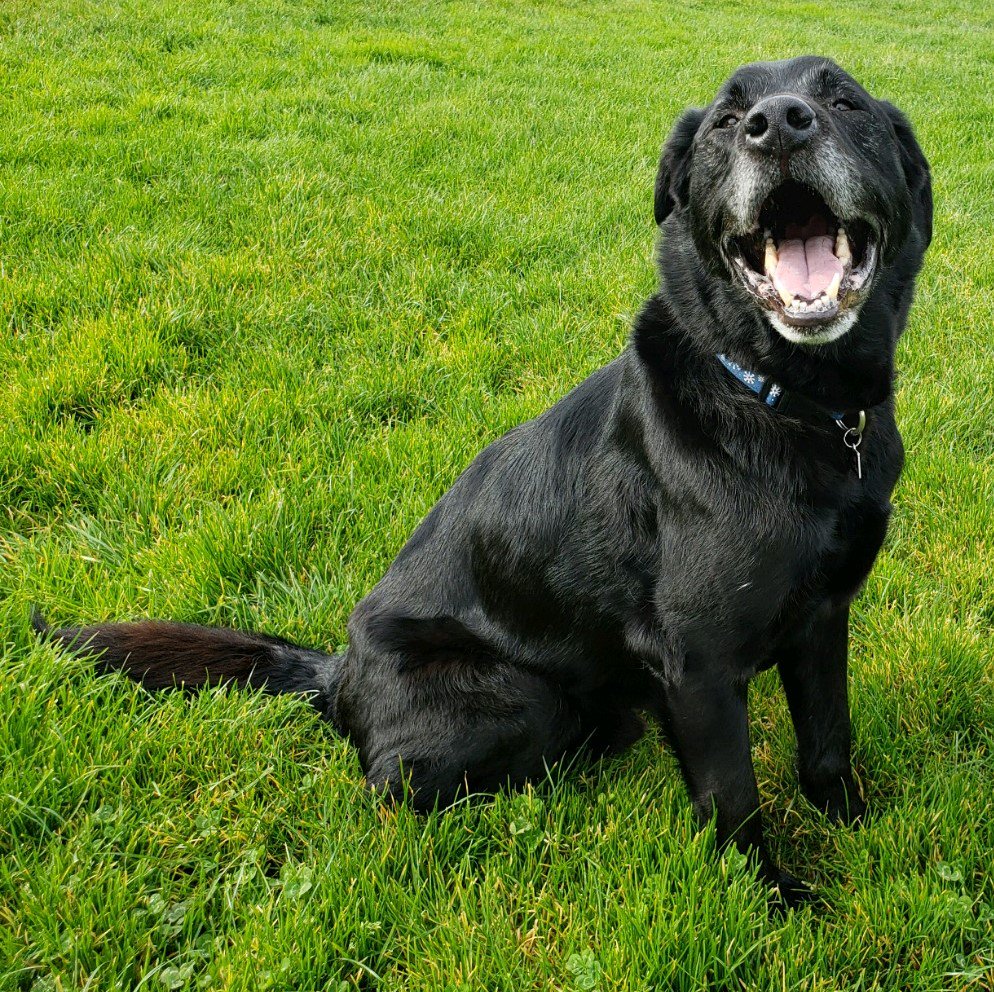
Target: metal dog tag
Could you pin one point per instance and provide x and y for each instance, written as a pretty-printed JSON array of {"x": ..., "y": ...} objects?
[{"x": 852, "y": 438}]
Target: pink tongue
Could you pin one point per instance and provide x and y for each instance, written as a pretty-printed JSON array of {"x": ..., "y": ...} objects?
[{"x": 807, "y": 262}]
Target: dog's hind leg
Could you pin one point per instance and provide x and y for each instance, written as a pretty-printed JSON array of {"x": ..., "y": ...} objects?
[{"x": 432, "y": 736}]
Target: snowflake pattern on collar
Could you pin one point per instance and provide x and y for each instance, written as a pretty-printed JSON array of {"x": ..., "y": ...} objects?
[{"x": 753, "y": 380}]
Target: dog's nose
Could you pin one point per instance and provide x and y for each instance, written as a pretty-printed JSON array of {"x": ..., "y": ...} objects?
[{"x": 779, "y": 125}]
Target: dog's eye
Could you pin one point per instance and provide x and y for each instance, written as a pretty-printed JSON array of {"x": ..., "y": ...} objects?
[
  {"x": 843, "y": 106},
  {"x": 728, "y": 120}
]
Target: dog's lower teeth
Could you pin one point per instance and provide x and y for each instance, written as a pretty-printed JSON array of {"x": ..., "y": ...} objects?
[
  {"x": 832, "y": 292},
  {"x": 801, "y": 307}
]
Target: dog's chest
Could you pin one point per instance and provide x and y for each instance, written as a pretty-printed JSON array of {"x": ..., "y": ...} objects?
[
  {"x": 757, "y": 561},
  {"x": 821, "y": 535}
]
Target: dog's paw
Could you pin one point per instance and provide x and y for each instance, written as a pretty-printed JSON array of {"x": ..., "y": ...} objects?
[{"x": 788, "y": 892}]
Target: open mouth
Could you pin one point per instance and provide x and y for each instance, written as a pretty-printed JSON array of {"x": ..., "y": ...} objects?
[{"x": 801, "y": 261}]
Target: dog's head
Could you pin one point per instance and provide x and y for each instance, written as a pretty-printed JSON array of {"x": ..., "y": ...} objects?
[{"x": 796, "y": 197}]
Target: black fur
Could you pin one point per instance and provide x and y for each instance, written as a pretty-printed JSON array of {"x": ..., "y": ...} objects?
[{"x": 650, "y": 542}]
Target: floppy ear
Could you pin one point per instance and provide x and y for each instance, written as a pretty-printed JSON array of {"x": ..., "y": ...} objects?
[
  {"x": 673, "y": 177},
  {"x": 915, "y": 166}
]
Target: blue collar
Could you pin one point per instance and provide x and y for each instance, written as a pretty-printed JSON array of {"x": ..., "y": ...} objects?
[{"x": 770, "y": 392}]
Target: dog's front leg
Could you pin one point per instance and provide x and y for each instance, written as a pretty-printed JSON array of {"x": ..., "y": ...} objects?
[
  {"x": 707, "y": 721},
  {"x": 813, "y": 667}
]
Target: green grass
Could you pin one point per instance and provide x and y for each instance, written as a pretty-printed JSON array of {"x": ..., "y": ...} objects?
[{"x": 271, "y": 273}]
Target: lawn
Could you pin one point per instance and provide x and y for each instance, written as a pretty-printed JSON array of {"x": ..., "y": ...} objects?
[{"x": 271, "y": 273}]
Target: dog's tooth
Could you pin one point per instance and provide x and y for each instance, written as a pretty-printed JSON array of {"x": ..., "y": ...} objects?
[
  {"x": 787, "y": 297},
  {"x": 842, "y": 250},
  {"x": 771, "y": 260},
  {"x": 832, "y": 292}
]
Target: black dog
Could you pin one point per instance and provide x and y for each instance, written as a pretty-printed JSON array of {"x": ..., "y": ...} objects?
[{"x": 703, "y": 508}]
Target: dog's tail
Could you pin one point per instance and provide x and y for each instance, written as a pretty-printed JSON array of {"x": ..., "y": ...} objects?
[{"x": 164, "y": 655}]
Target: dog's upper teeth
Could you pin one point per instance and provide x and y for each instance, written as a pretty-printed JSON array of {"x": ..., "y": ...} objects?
[
  {"x": 842, "y": 250},
  {"x": 771, "y": 259},
  {"x": 832, "y": 291}
]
